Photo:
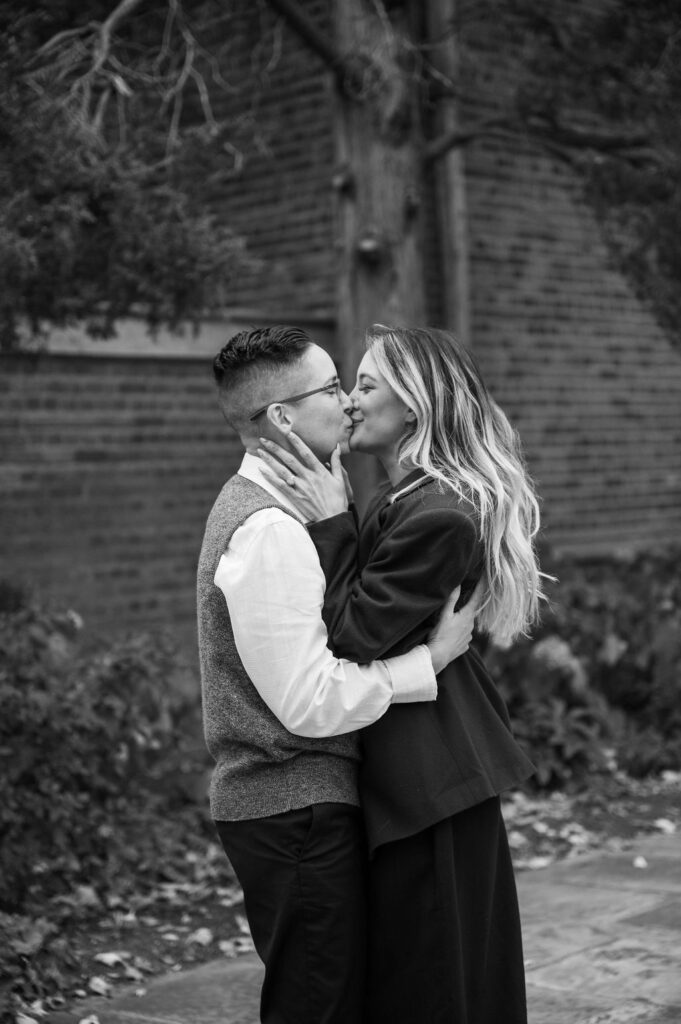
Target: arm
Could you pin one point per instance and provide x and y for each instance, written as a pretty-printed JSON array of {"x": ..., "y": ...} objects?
[
  {"x": 411, "y": 572},
  {"x": 420, "y": 556},
  {"x": 274, "y": 588}
]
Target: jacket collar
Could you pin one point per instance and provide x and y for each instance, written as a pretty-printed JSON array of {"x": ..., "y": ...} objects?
[{"x": 411, "y": 482}]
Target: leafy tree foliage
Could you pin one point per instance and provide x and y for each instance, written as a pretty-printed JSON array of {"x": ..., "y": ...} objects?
[
  {"x": 104, "y": 106},
  {"x": 96, "y": 219}
]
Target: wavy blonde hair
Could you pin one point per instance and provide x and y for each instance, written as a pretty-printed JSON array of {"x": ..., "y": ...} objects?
[{"x": 463, "y": 439}]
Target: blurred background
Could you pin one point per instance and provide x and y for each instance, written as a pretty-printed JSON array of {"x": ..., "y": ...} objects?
[{"x": 174, "y": 170}]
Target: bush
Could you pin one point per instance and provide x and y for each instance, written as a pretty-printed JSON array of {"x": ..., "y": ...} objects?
[
  {"x": 87, "y": 742},
  {"x": 599, "y": 683}
]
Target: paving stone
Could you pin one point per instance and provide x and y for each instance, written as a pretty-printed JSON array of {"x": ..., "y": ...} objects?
[{"x": 602, "y": 946}]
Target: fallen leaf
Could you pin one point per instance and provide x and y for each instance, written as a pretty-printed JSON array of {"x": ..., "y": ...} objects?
[
  {"x": 100, "y": 986},
  {"x": 235, "y": 947},
  {"x": 640, "y": 862},
  {"x": 112, "y": 959},
  {"x": 516, "y": 839},
  {"x": 143, "y": 964},
  {"x": 534, "y": 863},
  {"x": 22, "y": 1018},
  {"x": 665, "y": 825},
  {"x": 242, "y": 924},
  {"x": 31, "y": 937},
  {"x": 230, "y": 897},
  {"x": 85, "y": 896},
  {"x": 202, "y": 936},
  {"x": 92, "y": 1019}
]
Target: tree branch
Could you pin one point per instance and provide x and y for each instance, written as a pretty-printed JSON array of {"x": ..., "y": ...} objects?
[
  {"x": 309, "y": 33},
  {"x": 564, "y": 141},
  {"x": 348, "y": 78},
  {"x": 435, "y": 149},
  {"x": 107, "y": 28},
  {"x": 587, "y": 138}
]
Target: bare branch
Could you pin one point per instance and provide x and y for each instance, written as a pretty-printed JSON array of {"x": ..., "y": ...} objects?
[
  {"x": 108, "y": 27},
  {"x": 587, "y": 138},
  {"x": 308, "y": 31},
  {"x": 437, "y": 148}
]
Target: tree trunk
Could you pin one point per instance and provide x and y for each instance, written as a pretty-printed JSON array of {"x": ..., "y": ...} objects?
[
  {"x": 450, "y": 174},
  {"x": 378, "y": 187}
]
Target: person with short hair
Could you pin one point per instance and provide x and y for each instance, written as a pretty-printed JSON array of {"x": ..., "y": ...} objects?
[
  {"x": 280, "y": 710},
  {"x": 445, "y": 941}
]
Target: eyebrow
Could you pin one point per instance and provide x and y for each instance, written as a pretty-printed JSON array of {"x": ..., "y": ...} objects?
[{"x": 366, "y": 376}]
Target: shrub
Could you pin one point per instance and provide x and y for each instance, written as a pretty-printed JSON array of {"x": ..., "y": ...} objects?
[
  {"x": 602, "y": 674},
  {"x": 86, "y": 744}
]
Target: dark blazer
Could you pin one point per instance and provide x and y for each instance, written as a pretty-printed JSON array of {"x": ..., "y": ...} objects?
[{"x": 426, "y": 761}]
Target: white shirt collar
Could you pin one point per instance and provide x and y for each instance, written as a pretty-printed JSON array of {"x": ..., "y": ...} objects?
[{"x": 251, "y": 469}]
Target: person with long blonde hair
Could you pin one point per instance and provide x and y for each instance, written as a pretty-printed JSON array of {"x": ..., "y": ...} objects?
[{"x": 459, "y": 509}]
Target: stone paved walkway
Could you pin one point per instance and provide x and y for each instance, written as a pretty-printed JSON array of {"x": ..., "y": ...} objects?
[{"x": 602, "y": 946}]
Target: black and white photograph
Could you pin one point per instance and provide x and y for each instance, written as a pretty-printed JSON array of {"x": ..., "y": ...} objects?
[{"x": 340, "y": 512}]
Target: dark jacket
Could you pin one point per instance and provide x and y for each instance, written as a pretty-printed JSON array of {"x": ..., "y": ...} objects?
[{"x": 422, "y": 762}]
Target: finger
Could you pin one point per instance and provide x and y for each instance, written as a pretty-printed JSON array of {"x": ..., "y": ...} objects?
[
  {"x": 448, "y": 608},
  {"x": 276, "y": 451},
  {"x": 479, "y": 594},
  {"x": 304, "y": 452},
  {"x": 348, "y": 485},
  {"x": 336, "y": 466},
  {"x": 280, "y": 478}
]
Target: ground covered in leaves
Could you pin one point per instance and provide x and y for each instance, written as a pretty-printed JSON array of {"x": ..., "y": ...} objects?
[{"x": 193, "y": 911}]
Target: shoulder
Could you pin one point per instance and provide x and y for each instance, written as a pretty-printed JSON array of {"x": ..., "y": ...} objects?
[
  {"x": 432, "y": 504},
  {"x": 265, "y": 523}
]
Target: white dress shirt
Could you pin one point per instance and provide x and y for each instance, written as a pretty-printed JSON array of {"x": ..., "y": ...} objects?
[{"x": 274, "y": 587}]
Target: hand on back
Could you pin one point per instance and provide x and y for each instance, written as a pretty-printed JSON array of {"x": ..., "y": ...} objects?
[{"x": 452, "y": 634}]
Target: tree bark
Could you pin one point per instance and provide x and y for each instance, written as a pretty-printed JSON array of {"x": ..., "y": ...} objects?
[
  {"x": 378, "y": 187},
  {"x": 450, "y": 175}
]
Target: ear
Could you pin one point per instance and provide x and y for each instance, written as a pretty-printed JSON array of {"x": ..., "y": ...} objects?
[
  {"x": 410, "y": 417},
  {"x": 280, "y": 419}
]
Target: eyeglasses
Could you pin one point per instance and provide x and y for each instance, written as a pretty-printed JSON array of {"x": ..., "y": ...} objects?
[{"x": 333, "y": 388}]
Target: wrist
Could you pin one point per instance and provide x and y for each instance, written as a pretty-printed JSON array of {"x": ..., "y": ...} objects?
[{"x": 437, "y": 656}]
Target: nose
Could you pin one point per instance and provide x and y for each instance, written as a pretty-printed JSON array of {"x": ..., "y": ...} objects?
[
  {"x": 346, "y": 402},
  {"x": 352, "y": 397}
]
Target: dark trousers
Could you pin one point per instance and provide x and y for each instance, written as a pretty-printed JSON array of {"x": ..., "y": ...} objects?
[
  {"x": 445, "y": 945},
  {"x": 303, "y": 874}
]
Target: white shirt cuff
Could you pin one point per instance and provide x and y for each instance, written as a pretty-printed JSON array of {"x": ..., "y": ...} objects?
[{"x": 412, "y": 676}]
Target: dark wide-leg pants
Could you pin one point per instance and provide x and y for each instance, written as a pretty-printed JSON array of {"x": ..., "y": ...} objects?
[
  {"x": 303, "y": 874},
  {"x": 445, "y": 944}
]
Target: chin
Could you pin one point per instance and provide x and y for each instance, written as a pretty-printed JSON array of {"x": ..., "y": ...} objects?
[{"x": 355, "y": 444}]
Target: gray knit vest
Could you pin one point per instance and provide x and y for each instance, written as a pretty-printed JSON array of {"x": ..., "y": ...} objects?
[{"x": 260, "y": 767}]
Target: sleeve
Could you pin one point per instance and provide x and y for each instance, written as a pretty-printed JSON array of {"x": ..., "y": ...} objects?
[
  {"x": 336, "y": 540},
  {"x": 274, "y": 588},
  {"x": 418, "y": 559}
]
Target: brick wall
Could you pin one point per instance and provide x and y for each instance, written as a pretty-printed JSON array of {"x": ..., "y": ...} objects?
[
  {"x": 281, "y": 201},
  {"x": 587, "y": 375},
  {"x": 109, "y": 469},
  {"x": 109, "y": 465}
]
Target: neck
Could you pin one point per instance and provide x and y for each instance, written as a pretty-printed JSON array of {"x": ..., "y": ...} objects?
[{"x": 395, "y": 470}]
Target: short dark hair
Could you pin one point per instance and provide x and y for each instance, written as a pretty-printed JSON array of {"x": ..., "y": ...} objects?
[
  {"x": 249, "y": 366},
  {"x": 269, "y": 346}
]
